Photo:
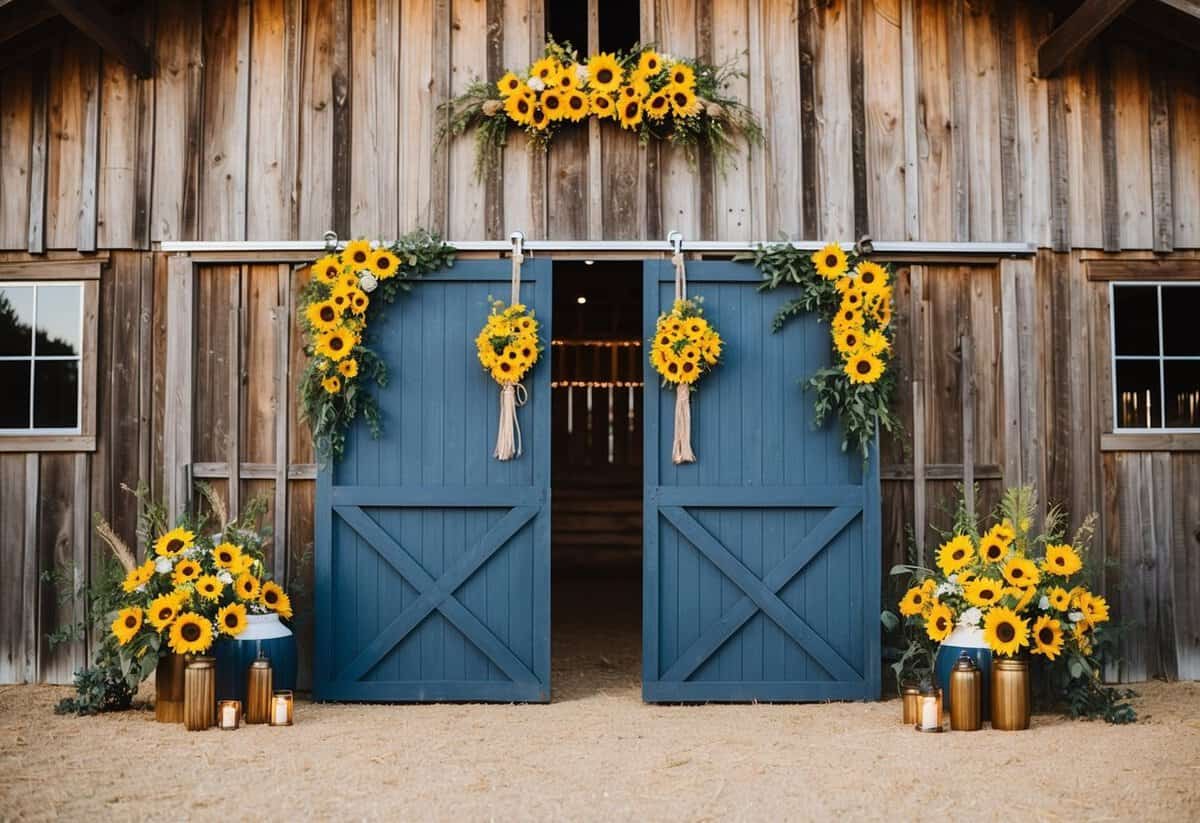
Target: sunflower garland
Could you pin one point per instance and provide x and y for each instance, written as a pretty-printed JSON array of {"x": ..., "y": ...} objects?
[
  {"x": 854, "y": 295},
  {"x": 334, "y": 308},
  {"x": 682, "y": 101},
  {"x": 1025, "y": 592}
]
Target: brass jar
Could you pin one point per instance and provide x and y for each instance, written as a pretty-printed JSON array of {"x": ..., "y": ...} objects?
[
  {"x": 911, "y": 697},
  {"x": 168, "y": 688},
  {"x": 259, "y": 689},
  {"x": 966, "y": 696},
  {"x": 200, "y": 694},
  {"x": 1010, "y": 694}
]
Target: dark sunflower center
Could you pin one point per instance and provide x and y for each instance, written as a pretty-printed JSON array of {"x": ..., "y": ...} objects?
[
  {"x": 631, "y": 109},
  {"x": 678, "y": 78},
  {"x": 852, "y": 298},
  {"x": 327, "y": 313},
  {"x": 1005, "y": 632},
  {"x": 958, "y": 554},
  {"x": 550, "y": 102},
  {"x": 175, "y": 545},
  {"x": 225, "y": 557},
  {"x": 941, "y": 624},
  {"x": 382, "y": 263},
  {"x": 190, "y": 632},
  {"x": 270, "y": 596},
  {"x": 1018, "y": 572},
  {"x": 526, "y": 352},
  {"x": 165, "y": 613},
  {"x": 503, "y": 367},
  {"x": 604, "y": 76},
  {"x": 849, "y": 316},
  {"x": 831, "y": 260},
  {"x": 1046, "y": 636},
  {"x": 1060, "y": 561},
  {"x": 523, "y": 106},
  {"x": 993, "y": 551},
  {"x": 687, "y": 367},
  {"x": 658, "y": 102},
  {"x": 680, "y": 98},
  {"x": 918, "y": 598},
  {"x": 360, "y": 257},
  {"x": 986, "y": 594},
  {"x": 336, "y": 343},
  {"x": 851, "y": 340},
  {"x": 864, "y": 367},
  {"x": 664, "y": 340},
  {"x": 672, "y": 368},
  {"x": 130, "y": 621},
  {"x": 231, "y": 620},
  {"x": 575, "y": 102},
  {"x": 538, "y": 116}
]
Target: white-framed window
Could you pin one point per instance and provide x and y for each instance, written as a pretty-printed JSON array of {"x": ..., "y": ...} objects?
[
  {"x": 41, "y": 357},
  {"x": 1155, "y": 356}
]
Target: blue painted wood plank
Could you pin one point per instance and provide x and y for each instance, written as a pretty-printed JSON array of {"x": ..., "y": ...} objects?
[{"x": 757, "y": 497}]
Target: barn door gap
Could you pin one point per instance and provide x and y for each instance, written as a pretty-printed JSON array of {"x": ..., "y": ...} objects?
[{"x": 596, "y": 475}]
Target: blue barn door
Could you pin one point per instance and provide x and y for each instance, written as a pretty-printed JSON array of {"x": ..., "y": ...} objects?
[
  {"x": 432, "y": 557},
  {"x": 761, "y": 559}
]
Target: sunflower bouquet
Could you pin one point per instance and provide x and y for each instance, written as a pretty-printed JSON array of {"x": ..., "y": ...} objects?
[
  {"x": 685, "y": 346},
  {"x": 654, "y": 95},
  {"x": 508, "y": 344},
  {"x": 334, "y": 308},
  {"x": 854, "y": 294}
]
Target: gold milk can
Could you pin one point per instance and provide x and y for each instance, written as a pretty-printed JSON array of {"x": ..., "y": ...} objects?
[
  {"x": 200, "y": 694},
  {"x": 259, "y": 691},
  {"x": 966, "y": 696},
  {"x": 911, "y": 706},
  {"x": 1010, "y": 694}
]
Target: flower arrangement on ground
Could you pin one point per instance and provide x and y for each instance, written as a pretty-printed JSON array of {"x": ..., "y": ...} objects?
[
  {"x": 681, "y": 100},
  {"x": 1027, "y": 590},
  {"x": 335, "y": 306},
  {"x": 854, "y": 295}
]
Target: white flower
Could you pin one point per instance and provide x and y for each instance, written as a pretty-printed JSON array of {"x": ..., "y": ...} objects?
[
  {"x": 666, "y": 58},
  {"x": 225, "y": 577},
  {"x": 947, "y": 588},
  {"x": 536, "y": 84},
  {"x": 140, "y": 588},
  {"x": 953, "y": 578},
  {"x": 1044, "y": 603},
  {"x": 581, "y": 72},
  {"x": 367, "y": 282},
  {"x": 970, "y": 617},
  {"x": 163, "y": 565},
  {"x": 1075, "y": 617}
]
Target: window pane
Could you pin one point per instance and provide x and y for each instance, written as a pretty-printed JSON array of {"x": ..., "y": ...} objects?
[
  {"x": 1137, "y": 394},
  {"x": 1136, "y": 319},
  {"x": 16, "y": 319},
  {"x": 14, "y": 400},
  {"x": 55, "y": 394},
  {"x": 566, "y": 21},
  {"x": 620, "y": 25},
  {"x": 1181, "y": 308},
  {"x": 58, "y": 319},
  {"x": 1183, "y": 393}
]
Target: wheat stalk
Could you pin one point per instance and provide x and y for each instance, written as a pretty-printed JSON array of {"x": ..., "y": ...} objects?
[{"x": 120, "y": 551}]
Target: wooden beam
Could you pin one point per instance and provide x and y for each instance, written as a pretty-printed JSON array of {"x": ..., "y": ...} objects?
[
  {"x": 18, "y": 18},
  {"x": 1076, "y": 32},
  {"x": 106, "y": 31}
]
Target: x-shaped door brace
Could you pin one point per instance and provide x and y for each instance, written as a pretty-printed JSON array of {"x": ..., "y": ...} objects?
[
  {"x": 437, "y": 594},
  {"x": 761, "y": 595}
]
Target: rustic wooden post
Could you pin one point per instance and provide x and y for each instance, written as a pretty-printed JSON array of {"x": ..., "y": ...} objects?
[
  {"x": 967, "y": 381},
  {"x": 283, "y": 351},
  {"x": 179, "y": 376}
]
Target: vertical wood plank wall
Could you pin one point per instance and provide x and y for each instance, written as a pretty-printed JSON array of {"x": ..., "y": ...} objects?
[{"x": 910, "y": 119}]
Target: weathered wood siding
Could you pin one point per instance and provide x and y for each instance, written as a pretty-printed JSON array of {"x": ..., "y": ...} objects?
[{"x": 907, "y": 119}]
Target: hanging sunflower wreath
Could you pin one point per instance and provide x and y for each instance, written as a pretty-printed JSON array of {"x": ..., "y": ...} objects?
[
  {"x": 334, "y": 307},
  {"x": 854, "y": 295},
  {"x": 683, "y": 101},
  {"x": 685, "y": 346},
  {"x": 509, "y": 347}
]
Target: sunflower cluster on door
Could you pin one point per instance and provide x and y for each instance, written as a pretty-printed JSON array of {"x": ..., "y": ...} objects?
[
  {"x": 343, "y": 293},
  {"x": 682, "y": 100},
  {"x": 685, "y": 346},
  {"x": 854, "y": 295},
  {"x": 508, "y": 347}
]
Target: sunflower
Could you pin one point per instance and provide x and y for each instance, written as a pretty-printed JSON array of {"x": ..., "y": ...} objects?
[
  {"x": 991, "y": 547},
  {"x": 955, "y": 553},
  {"x": 684, "y": 102},
  {"x": 1021, "y": 597},
  {"x": 914, "y": 601},
  {"x": 1021, "y": 572},
  {"x": 226, "y": 555},
  {"x": 545, "y": 70},
  {"x": 163, "y": 610},
  {"x": 358, "y": 301},
  {"x": 348, "y": 367},
  {"x": 577, "y": 106},
  {"x": 127, "y": 624},
  {"x": 848, "y": 340},
  {"x": 335, "y": 343},
  {"x": 508, "y": 84},
  {"x": 1082, "y": 638},
  {"x": 322, "y": 315},
  {"x": 630, "y": 113},
  {"x": 602, "y": 105},
  {"x": 871, "y": 277},
  {"x": 876, "y": 343},
  {"x": 519, "y": 108},
  {"x": 190, "y": 634},
  {"x": 1047, "y": 637},
  {"x": 539, "y": 120},
  {"x": 209, "y": 587},
  {"x": 863, "y": 368},
  {"x": 384, "y": 264},
  {"x": 1004, "y": 631},
  {"x": 939, "y": 622},
  {"x": 275, "y": 599},
  {"x": 554, "y": 104},
  {"x": 1060, "y": 598},
  {"x": 173, "y": 542},
  {"x": 881, "y": 310},
  {"x": 1094, "y": 607},
  {"x": 1004, "y": 532},
  {"x": 658, "y": 105},
  {"x": 247, "y": 586},
  {"x": 327, "y": 269},
  {"x": 605, "y": 72},
  {"x": 357, "y": 253},
  {"x": 1062, "y": 560},
  {"x": 331, "y": 385},
  {"x": 185, "y": 572},
  {"x": 682, "y": 75},
  {"x": 689, "y": 372},
  {"x": 138, "y": 576},
  {"x": 232, "y": 619},
  {"x": 983, "y": 592},
  {"x": 649, "y": 64},
  {"x": 712, "y": 349},
  {"x": 568, "y": 77},
  {"x": 504, "y": 371}
]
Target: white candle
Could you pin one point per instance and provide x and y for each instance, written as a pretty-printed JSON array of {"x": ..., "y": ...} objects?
[
  {"x": 280, "y": 711},
  {"x": 229, "y": 716},
  {"x": 929, "y": 713}
]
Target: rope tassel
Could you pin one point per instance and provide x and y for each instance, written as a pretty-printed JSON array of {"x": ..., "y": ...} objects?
[
  {"x": 512, "y": 395},
  {"x": 681, "y": 447}
]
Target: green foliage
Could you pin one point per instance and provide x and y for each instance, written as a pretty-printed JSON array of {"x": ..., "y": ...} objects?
[
  {"x": 862, "y": 408},
  {"x": 330, "y": 415},
  {"x": 99, "y": 688}
]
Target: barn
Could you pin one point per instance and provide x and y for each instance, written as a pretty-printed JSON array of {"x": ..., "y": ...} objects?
[{"x": 168, "y": 171}]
